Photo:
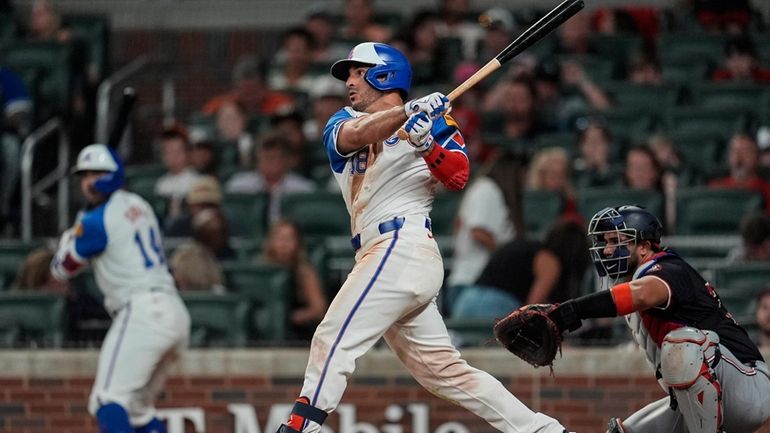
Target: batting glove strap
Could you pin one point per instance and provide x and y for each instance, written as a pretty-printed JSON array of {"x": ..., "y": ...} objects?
[
  {"x": 434, "y": 105},
  {"x": 418, "y": 127}
]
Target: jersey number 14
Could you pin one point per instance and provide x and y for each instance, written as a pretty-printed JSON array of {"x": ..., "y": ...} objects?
[{"x": 154, "y": 243}]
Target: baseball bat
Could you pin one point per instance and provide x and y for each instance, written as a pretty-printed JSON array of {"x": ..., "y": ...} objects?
[
  {"x": 121, "y": 120},
  {"x": 545, "y": 25}
]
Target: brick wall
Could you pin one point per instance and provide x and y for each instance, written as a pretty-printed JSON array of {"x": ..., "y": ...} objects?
[{"x": 582, "y": 403}]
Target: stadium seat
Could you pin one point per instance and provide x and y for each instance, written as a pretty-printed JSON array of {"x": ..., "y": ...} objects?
[
  {"x": 684, "y": 72},
  {"x": 690, "y": 46},
  {"x": 94, "y": 31},
  {"x": 597, "y": 67},
  {"x": 541, "y": 209},
  {"x": 645, "y": 98},
  {"x": 592, "y": 200},
  {"x": 564, "y": 140},
  {"x": 268, "y": 290},
  {"x": 700, "y": 150},
  {"x": 217, "y": 320},
  {"x": 317, "y": 214},
  {"x": 616, "y": 46},
  {"x": 86, "y": 282},
  {"x": 742, "y": 303},
  {"x": 728, "y": 96},
  {"x": 626, "y": 123},
  {"x": 246, "y": 213},
  {"x": 470, "y": 332},
  {"x": 742, "y": 276},
  {"x": 442, "y": 216},
  {"x": 704, "y": 120},
  {"x": 8, "y": 29},
  {"x": 54, "y": 62},
  {"x": 713, "y": 211},
  {"x": 38, "y": 318}
]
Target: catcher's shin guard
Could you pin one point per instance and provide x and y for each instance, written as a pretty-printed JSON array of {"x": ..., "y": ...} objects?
[
  {"x": 686, "y": 354},
  {"x": 615, "y": 426}
]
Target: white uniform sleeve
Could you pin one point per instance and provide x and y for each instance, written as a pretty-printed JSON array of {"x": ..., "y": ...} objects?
[{"x": 67, "y": 262}]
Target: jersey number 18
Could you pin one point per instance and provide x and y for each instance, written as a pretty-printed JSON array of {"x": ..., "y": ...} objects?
[{"x": 154, "y": 244}]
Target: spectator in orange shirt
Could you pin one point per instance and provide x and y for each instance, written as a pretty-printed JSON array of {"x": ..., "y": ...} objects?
[
  {"x": 250, "y": 91},
  {"x": 744, "y": 168},
  {"x": 741, "y": 63}
]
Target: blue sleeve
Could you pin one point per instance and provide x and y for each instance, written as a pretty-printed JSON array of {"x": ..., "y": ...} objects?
[
  {"x": 91, "y": 236},
  {"x": 331, "y": 130},
  {"x": 447, "y": 134},
  {"x": 12, "y": 88}
]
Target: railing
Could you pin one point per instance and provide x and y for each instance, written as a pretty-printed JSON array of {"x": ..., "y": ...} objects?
[
  {"x": 104, "y": 96},
  {"x": 58, "y": 176}
]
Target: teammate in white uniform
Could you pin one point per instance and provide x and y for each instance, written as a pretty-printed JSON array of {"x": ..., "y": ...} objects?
[
  {"x": 388, "y": 185},
  {"x": 119, "y": 236}
]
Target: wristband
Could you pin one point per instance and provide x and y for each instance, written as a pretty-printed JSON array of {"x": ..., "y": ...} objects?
[{"x": 621, "y": 294}]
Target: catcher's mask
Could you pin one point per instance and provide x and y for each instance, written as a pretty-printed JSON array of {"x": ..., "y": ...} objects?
[{"x": 630, "y": 224}]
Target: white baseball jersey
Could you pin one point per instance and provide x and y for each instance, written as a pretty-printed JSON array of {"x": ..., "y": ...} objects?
[
  {"x": 388, "y": 179},
  {"x": 391, "y": 291},
  {"x": 122, "y": 240}
]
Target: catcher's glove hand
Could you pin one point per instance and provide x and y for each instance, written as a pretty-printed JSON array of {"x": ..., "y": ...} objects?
[{"x": 533, "y": 333}]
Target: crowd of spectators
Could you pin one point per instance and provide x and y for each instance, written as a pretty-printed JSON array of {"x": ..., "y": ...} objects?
[{"x": 546, "y": 122}]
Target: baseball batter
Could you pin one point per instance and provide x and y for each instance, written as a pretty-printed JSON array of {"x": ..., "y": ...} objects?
[
  {"x": 715, "y": 376},
  {"x": 119, "y": 236},
  {"x": 388, "y": 185}
]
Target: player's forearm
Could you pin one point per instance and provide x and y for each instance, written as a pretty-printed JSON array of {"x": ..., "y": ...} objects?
[
  {"x": 66, "y": 262},
  {"x": 361, "y": 131},
  {"x": 451, "y": 168}
]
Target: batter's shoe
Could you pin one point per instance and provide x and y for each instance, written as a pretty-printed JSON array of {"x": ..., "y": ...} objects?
[{"x": 615, "y": 426}]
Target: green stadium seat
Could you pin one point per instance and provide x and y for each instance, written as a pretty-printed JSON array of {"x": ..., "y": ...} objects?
[
  {"x": 564, "y": 140},
  {"x": 684, "y": 72},
  {"x": 728, "y": 96},
  {"x": 700, "y": 150},
  {"x": 317, "y": 214},
  {"x": 597, "y": 67},
  {"x": 217, "y": 320},
  {"x": 246, "y": 213},
  {"x": 154, "y": 170},
  {"x": 713, "y": 211},
  {"x": 742, "y": 303},
  {"x": 742, "y": 276},
  {"x": 442, "y": 216},
  {"x": 626, "y": 123},
  {"x": 704, "y": 120},
  {"x": 85, "y": 281},
  {"x": 334, "y": 258},
  {"x": 592, "y": 200},
  {"x": 646, "y": 98},
  {"x": 8, "y": 29},
  {"x": 541, "y": 210},
  {"x": 690, "y": 46},
  {"x": 268, "y": 290},
  {"x": 616, "y": 46},
  {"x": 142, "y": 185},
  {"x": 54, "y": 62},
  {"x": 94, "y": 32},
  {"x": 470, "y": 332},
  {"x": 39, "y": 318}
]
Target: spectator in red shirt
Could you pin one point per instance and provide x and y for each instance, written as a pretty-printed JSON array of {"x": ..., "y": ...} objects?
[
  {"x": 741, "y": 63},
  {"x": 744, "y": 168}
]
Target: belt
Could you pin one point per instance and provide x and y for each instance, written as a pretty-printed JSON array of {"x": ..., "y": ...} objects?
[{"x": 385, "y": 227}]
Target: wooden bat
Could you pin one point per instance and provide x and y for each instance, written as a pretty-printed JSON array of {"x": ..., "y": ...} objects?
[
  {"x": 121, "y": 119},
  {"x": 534, "y": 33}
]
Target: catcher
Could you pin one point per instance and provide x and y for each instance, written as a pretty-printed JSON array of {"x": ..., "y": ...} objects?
[{"x": 716, "y": 378}]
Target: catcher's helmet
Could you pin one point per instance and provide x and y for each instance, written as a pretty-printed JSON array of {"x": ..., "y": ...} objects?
[
  {"x": 634, "y": 223},
  {"x": 98, "y": 157},
  {"x": 388, "y": 67}
]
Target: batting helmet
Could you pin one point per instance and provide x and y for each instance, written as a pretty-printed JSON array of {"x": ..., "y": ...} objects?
[
  {"x": 634, "y": 223},
  {"x": 98, "y": 157},
  {"x": 388, "y": 68}
]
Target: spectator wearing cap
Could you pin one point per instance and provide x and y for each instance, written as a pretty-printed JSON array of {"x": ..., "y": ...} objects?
[
  {"x": 322, "y": 28},
  {"x": 205, "y": 193},
  {"x": 272, "y": 174},
  {"x": 15, "y": 119},
  {"x": 499, "y": 26},
  {"x": 210, "y": 230},
  {"x": 179, "y": 177},
  {"x": 743, "y": 159},
  {"x": 741, "y": 63},
  {"x": 755, "y": 240},
  {"x": 328, "y": 97},
  {"x": 290, "y": 125},
  {"x": 204, "y": 158},
  {"x": 250, "y": 90},
  {"x": 454, "y": 23},
  {"x": 359, "y": 23}
]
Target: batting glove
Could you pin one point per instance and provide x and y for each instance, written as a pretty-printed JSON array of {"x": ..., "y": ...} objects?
[
  {"x": 434, "y": 105},
  {"x": 418, "y": 127}
]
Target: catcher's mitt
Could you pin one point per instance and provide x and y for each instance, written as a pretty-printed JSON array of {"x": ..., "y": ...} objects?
[{"x": 530, "y": 334}]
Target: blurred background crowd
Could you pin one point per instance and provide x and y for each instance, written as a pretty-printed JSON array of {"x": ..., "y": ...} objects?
[{"x": 666, "y": 107}]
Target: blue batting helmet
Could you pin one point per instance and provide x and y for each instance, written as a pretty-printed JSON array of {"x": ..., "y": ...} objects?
[
  {"x": 633, "y": 223},
  {"x": 388, "y": 68},
  {"x": 98, "y": 157}
]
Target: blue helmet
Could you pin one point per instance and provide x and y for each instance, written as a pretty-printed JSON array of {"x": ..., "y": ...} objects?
[
  {"x": 633, "y": 223},
  {"x": 388, "y": 68},
  {"x": 98, "y": 157}
]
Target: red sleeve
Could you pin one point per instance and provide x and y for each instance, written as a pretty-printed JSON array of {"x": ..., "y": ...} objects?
[{"x": 451, "y": 168}]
